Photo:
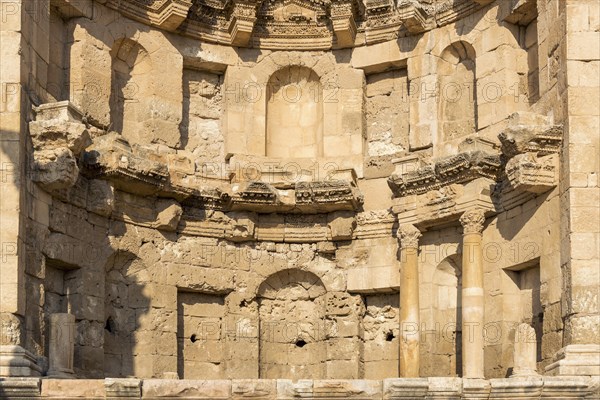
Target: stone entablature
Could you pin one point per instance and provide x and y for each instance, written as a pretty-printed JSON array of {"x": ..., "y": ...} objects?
[
  {"x": 492, "y": 177},
  {"x": 142, "y": 170},
  {"x": 297, "y": 24}
]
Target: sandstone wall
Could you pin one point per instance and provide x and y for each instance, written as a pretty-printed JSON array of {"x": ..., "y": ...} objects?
[{"x": 163, "y": 288}]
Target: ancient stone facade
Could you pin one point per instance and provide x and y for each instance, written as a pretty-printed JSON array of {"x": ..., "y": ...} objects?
[{"x": 278, "y": 199}]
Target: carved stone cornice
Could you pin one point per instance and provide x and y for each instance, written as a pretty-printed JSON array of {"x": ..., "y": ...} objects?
[
  {"x": 165, "y": 14},
  {"x": 111, "y": 157},
  {"x": 409, "y": 236},
  {"x": 328, "y": 192},
  {"x": 532, "y": 174},
  {"x": 460, "y": 168},
  {"x": 531, "y": 147},
  {"x": 472, "y": 221},
  {"x": 241, "y": 24},
  {"x": 540, "y": 140},
  {"x": 65, "y": 146},
  {"x": 415, "y": 17},
  {"x": 295, "y": 24}
]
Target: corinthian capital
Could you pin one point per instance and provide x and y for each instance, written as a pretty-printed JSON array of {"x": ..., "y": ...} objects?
[
  {"x": 409, "y": 236},
  {"x": 472, "y": 221}
]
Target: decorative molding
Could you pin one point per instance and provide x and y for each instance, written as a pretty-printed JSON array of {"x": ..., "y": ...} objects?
[
  {"x": 65, "y": 146},
  {"x": 438, "y": 192},
  {"x": 531, "y": 174},
  {"x": 460, "y": 168},
  {"x": 531, "y": 147},
  {"x": 296, "y": 24},
  {"x": 164, "y": 14},
  {"x": 58, "y": 137},
  {"x": 334, "y": 192},
  {"x": 111, "y": 157},
  {"x": 472, "y": 221},
  {"x": 409, "y": 236}
]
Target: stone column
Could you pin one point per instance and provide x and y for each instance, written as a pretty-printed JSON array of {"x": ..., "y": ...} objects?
[
  {"x": 61, "y": 345},
  {"x": 409, "y": 301},
  {"x": 472, "y": 294}
]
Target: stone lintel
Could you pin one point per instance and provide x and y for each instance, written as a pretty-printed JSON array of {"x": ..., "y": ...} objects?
[{"x": 446, "y": 205}]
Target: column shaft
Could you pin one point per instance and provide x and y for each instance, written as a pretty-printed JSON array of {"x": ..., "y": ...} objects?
[
  {"x": 409, "y": 302},
  {"x": 472, "y": 295}
]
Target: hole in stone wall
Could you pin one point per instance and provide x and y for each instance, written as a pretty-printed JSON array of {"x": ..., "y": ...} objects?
[
  {"x": 300, "y": 343},
  {"x": 389, "y": 336},
  {"x": 193, "y": 338},
  {"x": 110, "y": 325},
  {"x": 243, "y": 304}
]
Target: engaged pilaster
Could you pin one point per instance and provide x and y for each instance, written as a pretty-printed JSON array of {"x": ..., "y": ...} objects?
[
  {"x": 409, "y": 301},
  {"x": 472, "y": 294}
]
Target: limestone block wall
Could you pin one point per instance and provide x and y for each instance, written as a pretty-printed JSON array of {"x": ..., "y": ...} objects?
[{"x": 163, "y": 288}]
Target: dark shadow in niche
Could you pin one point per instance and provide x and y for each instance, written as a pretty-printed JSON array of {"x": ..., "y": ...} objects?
[{"x": 125, "y": 304}]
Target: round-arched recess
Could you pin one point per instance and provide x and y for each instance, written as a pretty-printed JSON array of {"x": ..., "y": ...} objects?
[
  {"x": 292, "y": 326},
  {"x": 447, "y": 316},
  {"x": 457, "y": 115},
  {"x": 294, "y": 114},
  {"x": 131, "y": 88}
]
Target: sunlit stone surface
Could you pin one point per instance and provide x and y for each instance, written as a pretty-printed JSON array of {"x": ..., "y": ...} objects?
[{"x": 357, "y": 199}]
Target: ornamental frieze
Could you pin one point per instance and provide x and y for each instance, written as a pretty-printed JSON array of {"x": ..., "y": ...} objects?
[{"x": 297, "y": 24}]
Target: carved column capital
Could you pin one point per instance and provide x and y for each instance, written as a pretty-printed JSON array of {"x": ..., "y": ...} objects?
[
  {"x": 409, "y": 236},
  {"x": 472, "y": 221}
]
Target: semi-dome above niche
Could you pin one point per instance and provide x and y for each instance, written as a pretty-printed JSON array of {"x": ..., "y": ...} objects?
[{"x": 296, "y": 24}]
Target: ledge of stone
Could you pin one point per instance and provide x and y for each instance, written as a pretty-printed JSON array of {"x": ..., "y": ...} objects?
[{"x": 576, "y": 387}]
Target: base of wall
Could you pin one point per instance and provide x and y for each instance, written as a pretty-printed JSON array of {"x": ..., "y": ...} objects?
[
  {"x": 576, "y": 360},
  {"x": 16, "y": 361},
  {"x": 579, "y": 387}
]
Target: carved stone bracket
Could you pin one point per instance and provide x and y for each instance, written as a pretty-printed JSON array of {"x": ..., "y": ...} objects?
[
  {"x": 531, "y": 146},
  {"x": 242, "y": 21},
  {"x": 414, "y": 16},
  {"x": 165, "y": 14},
  {"x": 531, "y": 174},
  {"x": 345, "y": 16},
  {"x": 58, "y": 137}
]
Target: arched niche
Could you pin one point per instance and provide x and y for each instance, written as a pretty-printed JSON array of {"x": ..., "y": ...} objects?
[
  {"x": 292, "y": 335},
  {"x": 294, "y": 126},
  {"x": 131, "y": 88},
  {"x": 447, "y": 316},
  {"x": 457, "y": 109}
]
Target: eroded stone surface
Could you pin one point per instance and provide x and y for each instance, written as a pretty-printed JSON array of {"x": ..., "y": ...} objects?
[{"x": 265, "y": 199}]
